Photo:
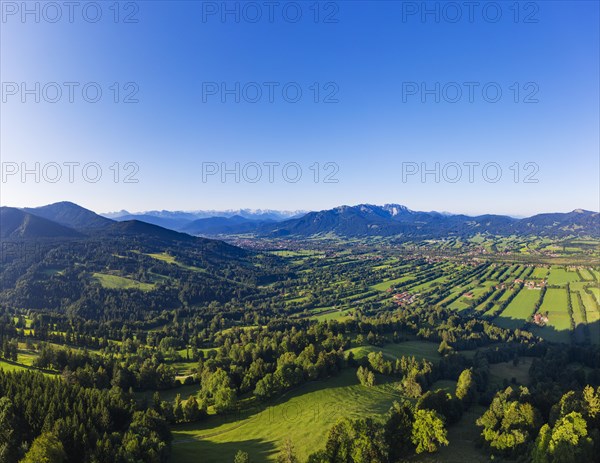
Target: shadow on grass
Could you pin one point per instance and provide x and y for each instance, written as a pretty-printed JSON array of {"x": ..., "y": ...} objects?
[
  {"x": 583, "y": 334},
  {"x": 202, "y": 450}
]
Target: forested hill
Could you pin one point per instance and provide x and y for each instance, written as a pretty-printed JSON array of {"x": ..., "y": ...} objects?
[{"x": 114, "y": 270}]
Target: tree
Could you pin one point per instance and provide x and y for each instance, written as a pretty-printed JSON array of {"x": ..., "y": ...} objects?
[
  {"x": 178, "y": 409},
  {"x": 591, "y": 405},
  {"x": 224, "y": 399},
  {"x": 353, "y": 441},
  {"x": 443, "y": 403},
  {"x": 466, "y": 388},
  {"x": 8, "y": 441},
  {"x": 339, "y": 442},
  {"x": 567, "y": 442},
  {"x": 428, "y": 431},
  {"x": 241, "y": 457},
  {"x": 365, "y": 376},
  {"x": 411, "y": 387},
  {"x": 397, "y": 429},
  {"x": 444, "y": 348},
  {"x": 46, "y": 448},
  {"x": 287, "y": 453},
  {"x": 265, "y": 387},
  {"x": 510, "y": 421},
  {"x": 191, "y": 410},
  {"x": 368, "y": 443}
]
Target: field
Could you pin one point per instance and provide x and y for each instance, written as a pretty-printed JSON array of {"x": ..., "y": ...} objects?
[
  {"x": 506, "y": 371},
  {"x": 163, "y": 256},
  {"x": 118, "y": 282},
  {"x": 303, "y": 415},
  {"x": 385, "y": 285},
  {"x": 419, "y": 349},
  {"x": 560, "y": 276},
  {"x": 332, "y": 315},
  {"x": 9, "y": 366},
  {"x": 593, "y": 315},
  {"x": 169, "y": 259},
  {"x": 519, "y": 310},
  {"x": 559, "y": 321},
  {"x": 540, "y": 272}
]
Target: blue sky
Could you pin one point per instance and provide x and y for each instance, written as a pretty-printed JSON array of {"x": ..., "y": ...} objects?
[{"x": 367, "y": 120}]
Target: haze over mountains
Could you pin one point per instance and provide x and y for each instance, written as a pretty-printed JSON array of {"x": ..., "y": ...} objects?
[{"x": 68, "y": 220}]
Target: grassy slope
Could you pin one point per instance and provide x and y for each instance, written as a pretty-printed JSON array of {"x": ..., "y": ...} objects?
[
  {"x": 303, "y": 415},
  {"x": 420, "y": 349},
  {"x": 117, "y": 282}
]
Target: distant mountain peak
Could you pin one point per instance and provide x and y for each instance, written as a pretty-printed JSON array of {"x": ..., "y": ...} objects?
[
  {"x": 396, "y": 209},
  {"x": 71, "y": 215}
]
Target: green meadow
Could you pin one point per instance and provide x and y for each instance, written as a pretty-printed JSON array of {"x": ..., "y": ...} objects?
[
  {"x": 561, "y": 276},
  {"x": 304, "y": 415},
  {"x": 118, "y": 282},
  {"x": 519, "y": 310},
  {"x": 418, "y": 349}
]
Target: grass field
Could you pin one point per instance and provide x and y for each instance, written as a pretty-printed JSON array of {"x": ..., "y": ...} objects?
[
  {"x": 519, "y": 310},
  {"x": 593, "y": 316},
  {"x": 506, "y": 370},
  {"x": 560, "y": 276},
  {"x": 117, "y": 282},
  {"x": 595, "y": 290},
  {"x": 578, "y": 318},
  {"x": 332, "y": 315},
  {"x": 163, "y": 256},
  {"x": 540, "y": 272},
  {"x": 303, "y": 415},
  {"x": 559, "y": 321},
  {"x": 420, "y": 349},
  {"x": 6, "y": 366},
  {"x": 385, "y": 285},
  {"x": 586, "y": 274},
  {"x": 10, "y": 366},
  {"x": 169, "y": 259}
]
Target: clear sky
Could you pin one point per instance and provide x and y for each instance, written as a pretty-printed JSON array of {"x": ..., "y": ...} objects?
[{"x": 312, "y": 105}]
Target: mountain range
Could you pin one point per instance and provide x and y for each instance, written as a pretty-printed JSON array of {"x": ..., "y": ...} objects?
[
  {"x": 399, "y": 221},
  {"x": 180, "y": 220},
  {"x": 68, "y": 220}
]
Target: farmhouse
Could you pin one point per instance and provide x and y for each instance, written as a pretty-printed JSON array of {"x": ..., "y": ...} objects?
[
  {"x": 404, "y": 298},
  {"x": 532, "y": 284},
  {"x": 540, "y": 319}
]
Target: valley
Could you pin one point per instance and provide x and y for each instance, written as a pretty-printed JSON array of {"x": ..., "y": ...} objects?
[{"x": 258, "y": 344}]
